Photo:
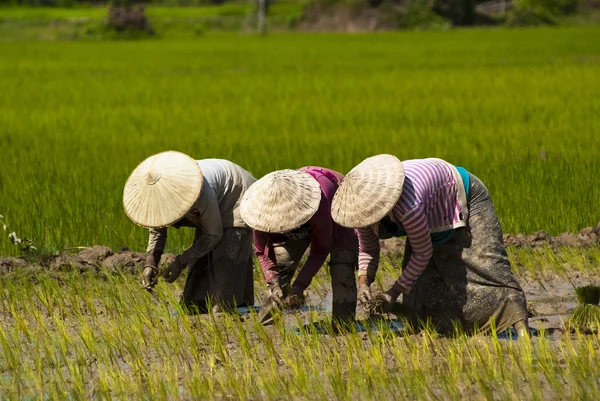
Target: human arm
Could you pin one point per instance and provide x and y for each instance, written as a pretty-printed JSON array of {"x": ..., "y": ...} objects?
[
  {"x": 417, "y": 230},
  {"x": 321, "y": 224},
  {"x": 368, "y": 262},
  {"x": 207, "y": 211},
  {"x": 368, "y": 255},
  {"x": 266, "y": 257},
  {"x": 157, "y": 239}
]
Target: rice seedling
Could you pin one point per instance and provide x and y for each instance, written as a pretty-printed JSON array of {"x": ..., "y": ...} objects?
[{"x": 586, "y": 317}]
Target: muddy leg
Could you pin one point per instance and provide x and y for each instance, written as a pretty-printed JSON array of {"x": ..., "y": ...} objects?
[
  {"x": 522, "y": 328},
  {"x": 343, "y": 284}
]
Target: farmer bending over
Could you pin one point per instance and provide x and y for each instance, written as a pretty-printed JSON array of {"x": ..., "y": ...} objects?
[
  {"x": 455, "y": 267},
  {"x": 172, "y": 189},
  {"x": 290, "y": 210}
]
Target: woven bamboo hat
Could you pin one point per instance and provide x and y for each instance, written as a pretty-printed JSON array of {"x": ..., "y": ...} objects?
[
  {"x": 162, "y": 189},
  {"x": 368, "y": 192},
  {"x": 281, "y": 201}
]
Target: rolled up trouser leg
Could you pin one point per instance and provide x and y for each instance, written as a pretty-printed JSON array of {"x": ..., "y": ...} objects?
[{"x": 343, "y": 283}]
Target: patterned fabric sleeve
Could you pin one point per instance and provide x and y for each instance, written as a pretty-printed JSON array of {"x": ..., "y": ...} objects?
[
  {"x": 368, "y": 252},
  {"x": 418, "y": 233}
]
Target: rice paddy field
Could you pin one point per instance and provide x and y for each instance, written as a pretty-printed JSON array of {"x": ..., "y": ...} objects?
[{"x": 518, "y": 108}]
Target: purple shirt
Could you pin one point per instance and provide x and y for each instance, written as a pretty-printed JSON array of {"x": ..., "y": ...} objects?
[{"x": 324, "y": 232}]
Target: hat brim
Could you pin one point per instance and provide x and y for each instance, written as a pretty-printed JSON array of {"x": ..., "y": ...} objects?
[
  {"x": 162, "y": 189},
  {"x": 368, "y": 192},
  {"x": 281, "y": 201}
]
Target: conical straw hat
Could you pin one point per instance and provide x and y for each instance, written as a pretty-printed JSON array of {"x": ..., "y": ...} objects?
[
  {"x": 368, "y": 192},
  {"x": 162, "y": 189},
  {"x": 281, "y": 201}
]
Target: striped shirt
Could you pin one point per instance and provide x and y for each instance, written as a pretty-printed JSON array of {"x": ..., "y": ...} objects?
[{"x": 432, "y": 200}]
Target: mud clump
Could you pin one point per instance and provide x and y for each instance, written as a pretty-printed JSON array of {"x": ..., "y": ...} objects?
[
  {"x": 125, "y": 260},
  {"x": 93, "y": 258},
  {"x": 589, "y": 236},
  {"x": 129, "y": 261},
  {"x": 8, "y": 264},
  {"x": 95, "y": 254}
]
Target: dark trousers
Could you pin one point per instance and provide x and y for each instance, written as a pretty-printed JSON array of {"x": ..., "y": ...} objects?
[{"x": 222, "y": 277}]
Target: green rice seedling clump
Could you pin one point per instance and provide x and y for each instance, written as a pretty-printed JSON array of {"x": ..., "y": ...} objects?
[
  {"x": 586, "y": 317},
  {"x": 590, "y": 294}
]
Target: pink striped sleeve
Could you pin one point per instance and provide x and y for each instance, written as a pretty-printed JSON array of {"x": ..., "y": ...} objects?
[
  {"x": 368, "y": 252},
  {"x": 266, "y": 258},
  {"x": 418, "y": 233}
]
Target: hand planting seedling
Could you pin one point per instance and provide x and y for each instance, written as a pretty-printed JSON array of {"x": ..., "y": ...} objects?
[
  {"x": 275, "y": 302},
  {"x": 293, "y": 301},
  {"x": 150, "y": 277},
  {"x": 375, "y": 305}
]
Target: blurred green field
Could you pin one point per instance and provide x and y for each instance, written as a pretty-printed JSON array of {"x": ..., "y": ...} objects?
[
  {"x": 84, "y": 23},
  {"x": 98, "y": 13},
  {"x": 518, "y": 108}
]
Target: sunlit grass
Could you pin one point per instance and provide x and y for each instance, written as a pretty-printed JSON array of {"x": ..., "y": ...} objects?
[
  {"x": 517, "y": 108},
  {"x": 100, "y": 335}
]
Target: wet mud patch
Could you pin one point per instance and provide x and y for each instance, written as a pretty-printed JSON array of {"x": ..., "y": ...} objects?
[
  {"x": 588, "y": 236},
  {"x": 92, "y": 258}
]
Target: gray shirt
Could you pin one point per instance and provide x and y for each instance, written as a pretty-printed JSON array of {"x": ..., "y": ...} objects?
[{"x": 217, "y": 207}]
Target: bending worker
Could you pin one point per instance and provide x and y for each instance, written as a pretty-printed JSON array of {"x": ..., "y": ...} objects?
[
  {"x": 455, "y": 267},
  {"x": 290, "y": 210},
  {"x": 172, "y": 189}
]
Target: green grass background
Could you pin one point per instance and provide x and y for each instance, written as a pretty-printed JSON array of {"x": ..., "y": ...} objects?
[
  {"x": 98, "y": 13},
  {"x": 85, "y": 23},
  {"x": 518, "y": 108}
]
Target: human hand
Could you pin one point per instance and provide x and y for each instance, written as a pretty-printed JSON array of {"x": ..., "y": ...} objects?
[
  {"x": 173, "y": 271},
  {"x": 364, "y": 294},
  {"x": 387, "y": 302},
  {"x": 276, "y": 294},
  {"x": 295, "y": 299},
  {"x": 149, "y": 277}
]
